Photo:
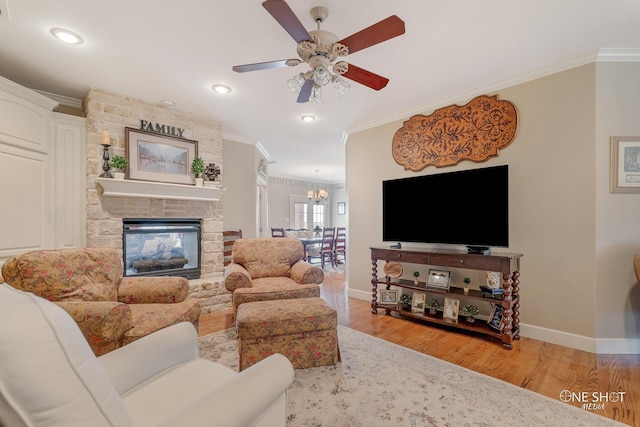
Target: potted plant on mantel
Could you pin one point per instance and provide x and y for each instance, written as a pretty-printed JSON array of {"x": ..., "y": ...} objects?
[
  {"x": 198, "y": 168},
  {"x": 469, "y": 311},
  {"x": 118, "y": 164}
]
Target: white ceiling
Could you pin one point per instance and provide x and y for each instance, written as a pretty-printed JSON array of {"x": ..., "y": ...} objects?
[{"x": 159, "y": 50}]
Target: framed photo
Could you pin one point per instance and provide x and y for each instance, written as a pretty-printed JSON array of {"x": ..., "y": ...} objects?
[
  {"x": 342, "y": 208},
  {"x": 625, "y": 164},
  {"x": 418, "y": 302},
  {"x": 388, "y": 297},
  {"x": 450, "y": 309},
  {"x": 438, "y": 279},
  {"x": 160, "y": 158},
  {"x": 495, "y": 318}
]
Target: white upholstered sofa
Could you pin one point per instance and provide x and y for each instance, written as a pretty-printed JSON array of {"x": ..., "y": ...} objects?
[{"x": 50, "y": 377}]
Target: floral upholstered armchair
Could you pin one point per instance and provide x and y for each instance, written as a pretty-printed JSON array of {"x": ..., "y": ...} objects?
[
  {"x": 111, "y": 310},
  {"x": 267, "y": 268}
]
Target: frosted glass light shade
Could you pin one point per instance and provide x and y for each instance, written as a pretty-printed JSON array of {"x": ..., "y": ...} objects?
[
  {"x": 296, "y": 82},
  {"x": 321, "y": 76},
  {"x": 341, "y": 85}
]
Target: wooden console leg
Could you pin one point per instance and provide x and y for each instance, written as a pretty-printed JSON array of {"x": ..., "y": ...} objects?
[{"x": 374, "y": 287}]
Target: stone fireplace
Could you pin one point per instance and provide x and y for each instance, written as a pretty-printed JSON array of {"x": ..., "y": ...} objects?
[{"x": 107, "y": 209}]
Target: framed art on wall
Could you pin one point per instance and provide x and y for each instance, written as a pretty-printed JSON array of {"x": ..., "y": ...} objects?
[
  {"x": 625, "y": 164},
  {"x": 342, "y": 208},
  {"x": 160, "y": 158}
]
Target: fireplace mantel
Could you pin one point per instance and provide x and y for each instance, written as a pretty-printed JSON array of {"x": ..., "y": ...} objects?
[{"x": 155, "y": 190}]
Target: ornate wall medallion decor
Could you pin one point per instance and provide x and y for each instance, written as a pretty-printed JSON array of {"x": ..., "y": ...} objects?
[{"x": 475, "y": 131}]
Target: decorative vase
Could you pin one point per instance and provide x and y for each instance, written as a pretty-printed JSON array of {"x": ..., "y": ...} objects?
[
  {"x": 433, "y": 311},
  {"x": 118, "y": 175},
  {"x": 416, "y": 281},
  {"x": 406, "y": 307},
  {"x": 466, "y": 291},
  {"x": 471, "y": 319},
  {"x": 199, "y": 182}
]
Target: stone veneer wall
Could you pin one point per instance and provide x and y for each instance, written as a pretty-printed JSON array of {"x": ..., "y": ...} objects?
[{"x": 114, "y": 112}]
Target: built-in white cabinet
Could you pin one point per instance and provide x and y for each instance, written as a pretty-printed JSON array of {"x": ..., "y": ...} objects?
[
  {"x": 42, "y": 173},
  {"x": 68, "y": 155}
]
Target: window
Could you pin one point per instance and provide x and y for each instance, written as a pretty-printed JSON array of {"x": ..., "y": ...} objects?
[
  {"x": 308, "y": 215},
  {"x": 301, "y": 219},
  {"x": 318, "y": 215}
]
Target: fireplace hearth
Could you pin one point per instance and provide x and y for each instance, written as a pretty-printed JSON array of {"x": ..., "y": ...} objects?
[{"x": 162, "y": 247}]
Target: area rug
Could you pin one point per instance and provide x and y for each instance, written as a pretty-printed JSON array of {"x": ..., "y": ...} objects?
[{"x": 379, "y": 383}]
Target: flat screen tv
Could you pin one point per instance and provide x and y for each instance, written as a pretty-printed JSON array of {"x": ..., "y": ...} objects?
[{"x": 463, "y": 208}]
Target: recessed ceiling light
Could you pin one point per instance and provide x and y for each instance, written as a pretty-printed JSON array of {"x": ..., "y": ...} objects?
[
  {"x": 221, "y": 89},
  {"x": 168, "y": 103},
  {"x": 307, "y": 118},
  {"x": 66, "y": 36}
]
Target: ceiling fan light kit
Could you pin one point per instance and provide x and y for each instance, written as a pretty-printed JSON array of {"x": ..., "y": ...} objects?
[{"x": 321, "y": 49}]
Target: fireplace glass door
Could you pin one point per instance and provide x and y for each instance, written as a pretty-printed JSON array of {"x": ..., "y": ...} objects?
[{"x": 161, "y": 247}]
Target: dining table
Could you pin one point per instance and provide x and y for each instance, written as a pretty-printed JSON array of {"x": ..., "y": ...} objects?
[{"x": 309, "y": 242}]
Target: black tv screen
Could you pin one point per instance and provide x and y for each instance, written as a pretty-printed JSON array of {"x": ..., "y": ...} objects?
[{"x": 465, "y": 208}]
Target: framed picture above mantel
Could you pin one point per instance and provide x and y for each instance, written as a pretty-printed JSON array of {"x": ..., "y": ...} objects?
[{"x": 160, "y": 158}]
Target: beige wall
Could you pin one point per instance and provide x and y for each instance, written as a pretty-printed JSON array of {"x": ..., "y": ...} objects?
[
  {"x": 239, "y": 182},
  {"x": 617, "y": 296},
  {"x": 557, "y": 184}
]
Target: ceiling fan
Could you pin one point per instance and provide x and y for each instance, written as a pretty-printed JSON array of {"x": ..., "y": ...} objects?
[{"x": 321, "y": 50}]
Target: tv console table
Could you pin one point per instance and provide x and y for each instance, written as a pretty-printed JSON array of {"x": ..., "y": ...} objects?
[{"x": 505, "y": 263}]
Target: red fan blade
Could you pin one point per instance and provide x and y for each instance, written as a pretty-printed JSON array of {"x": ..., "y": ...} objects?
[
  {"x": 282, "y": 13},
  {"x": 260, "y": 66},
  {"x": 305, "y": 92},
  {"x": 377, "y": 33},
  {"x": 365, "y": 77}
]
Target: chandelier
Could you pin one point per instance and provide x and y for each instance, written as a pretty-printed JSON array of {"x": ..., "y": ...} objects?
[
  {"x": 319, "y": 194},
  {"x": 320, "y": 54}
]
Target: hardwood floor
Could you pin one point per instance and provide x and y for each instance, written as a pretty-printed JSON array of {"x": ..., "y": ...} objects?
[{"x": 538, "y": 366}]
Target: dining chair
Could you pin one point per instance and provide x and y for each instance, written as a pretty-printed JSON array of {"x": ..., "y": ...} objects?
[
  {"x": 277, "y": 232},
  {"x": 340, "y": 246},
  {"x": 326, "y": 248},
  {"x": 229, "y": 237}
]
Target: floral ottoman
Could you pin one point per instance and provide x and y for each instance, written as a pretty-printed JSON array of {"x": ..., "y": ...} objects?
[{"x": 302, "y": 329}]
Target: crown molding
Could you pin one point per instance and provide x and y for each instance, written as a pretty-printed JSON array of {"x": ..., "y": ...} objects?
[
  {"x": 27, "y": 94},
  {"x": 490, "y": 88},
  {"x": 62, "y": 100},
  {"x": 619, "y": 55},
  {"x": 263, "y": 151}
]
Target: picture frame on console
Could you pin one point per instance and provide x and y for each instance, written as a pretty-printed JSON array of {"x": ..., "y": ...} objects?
[
  {"x": 625, "y": 164},
  {"x": 418, "y": 302},
  {"x": 495, "y": 317},
  {"x": 450, "y": 309},
  {"x": 388, "y": 297},
  {"x": 439, "y": 279},
  {"x": 160, "y": 158}
]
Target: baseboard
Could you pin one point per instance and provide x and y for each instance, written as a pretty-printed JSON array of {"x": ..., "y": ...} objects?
[
  {"x": 580, "y": 342},
  {"x": 566, "y": 339}
]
